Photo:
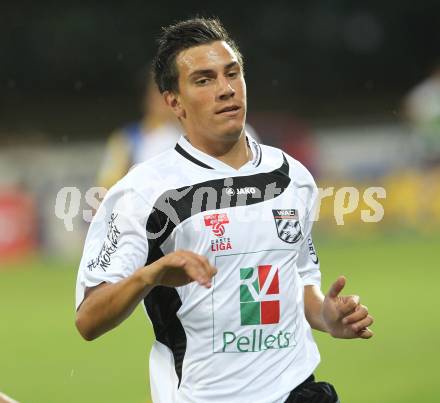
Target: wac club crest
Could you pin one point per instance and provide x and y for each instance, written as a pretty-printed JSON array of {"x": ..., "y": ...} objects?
[{"x": 287, "y": 225}]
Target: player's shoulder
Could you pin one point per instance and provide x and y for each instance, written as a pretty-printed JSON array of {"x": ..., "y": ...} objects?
[
  {"x": 161, "y": 164},
  {"x": 149, "y": 179},
  {"x": 274, "y": 156}
]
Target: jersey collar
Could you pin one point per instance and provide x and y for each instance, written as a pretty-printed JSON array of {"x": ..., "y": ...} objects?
[{"x": 198, "y": 157}]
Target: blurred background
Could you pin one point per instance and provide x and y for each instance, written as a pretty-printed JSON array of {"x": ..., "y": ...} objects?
[{"x": 351, "y": 89}]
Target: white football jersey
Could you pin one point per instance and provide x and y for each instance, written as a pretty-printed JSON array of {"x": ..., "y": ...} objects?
[{"x": 246, "y": 339}]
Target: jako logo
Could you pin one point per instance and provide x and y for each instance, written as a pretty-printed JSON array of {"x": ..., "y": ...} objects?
[
  {"x": 259, "y": 295},
  {"x": 245, "y": 191},
  {"x": 240, "y": 191}
]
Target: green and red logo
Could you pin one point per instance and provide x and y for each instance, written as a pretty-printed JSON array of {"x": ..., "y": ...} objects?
[{"x": 259, "y": 295}]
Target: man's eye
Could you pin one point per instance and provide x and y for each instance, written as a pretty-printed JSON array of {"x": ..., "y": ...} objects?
[
  {"x": 233, "y": 74},
  {"x": 202, "y": 81}
]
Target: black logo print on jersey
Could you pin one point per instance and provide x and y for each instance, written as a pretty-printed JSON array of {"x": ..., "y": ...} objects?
[{"x": 312, "y": 251}]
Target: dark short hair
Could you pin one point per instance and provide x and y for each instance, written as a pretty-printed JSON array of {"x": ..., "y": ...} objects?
[{"x": 184, "y": 35}]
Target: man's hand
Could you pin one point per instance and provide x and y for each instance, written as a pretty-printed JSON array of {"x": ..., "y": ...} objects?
[
  {"x": 344, "y": 316},
  {"x": 180, "y": 268}
]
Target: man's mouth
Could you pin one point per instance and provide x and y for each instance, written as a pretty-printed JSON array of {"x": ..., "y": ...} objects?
[{"x": 231, "y": 109}]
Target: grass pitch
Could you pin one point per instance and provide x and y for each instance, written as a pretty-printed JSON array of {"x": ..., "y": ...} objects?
[{"x": 44, "y": 360}]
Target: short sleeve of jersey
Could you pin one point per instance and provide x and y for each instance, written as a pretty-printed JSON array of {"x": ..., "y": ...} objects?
[
  {"x": 308, "y": 262},
  {"x": 116, "y": 244}
]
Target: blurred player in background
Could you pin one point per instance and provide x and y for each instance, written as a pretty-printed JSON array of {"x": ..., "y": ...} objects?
[
  {"x": 422, "y": 110},
  {"x": 137, "y": 142},
  {"x": 232, "y": 300}
]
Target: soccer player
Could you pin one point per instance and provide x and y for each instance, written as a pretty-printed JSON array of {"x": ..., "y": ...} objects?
[
  {"x": 214, "y": 238},
  {"x": 136, "y": 142}
]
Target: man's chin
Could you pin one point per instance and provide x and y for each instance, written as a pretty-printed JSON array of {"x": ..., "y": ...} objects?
[{"x": 232, "y": 133}]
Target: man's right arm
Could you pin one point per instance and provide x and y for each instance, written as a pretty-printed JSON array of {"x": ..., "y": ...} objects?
[{"x": 106, "y": 305}]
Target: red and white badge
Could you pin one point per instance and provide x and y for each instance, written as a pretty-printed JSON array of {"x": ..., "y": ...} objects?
[{"x": 217, "y": 222}]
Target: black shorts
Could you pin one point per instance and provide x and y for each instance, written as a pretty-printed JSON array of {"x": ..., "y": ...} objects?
[{"x": 313, "y": 392}]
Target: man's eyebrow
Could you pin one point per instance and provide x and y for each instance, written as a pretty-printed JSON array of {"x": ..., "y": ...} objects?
[
  {"x": 203, "y": 72},
  {"x": 230, "y": 65},
  {"x": 207, "y": 72}
]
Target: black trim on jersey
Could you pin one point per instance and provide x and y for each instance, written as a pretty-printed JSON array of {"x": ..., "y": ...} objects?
[
  {"x": 162, "y": 304},
  {"x": 188, "y": 156},
  {"x": 176, "y": 205},
  {"x": 260, "y": 152},
  {"x": 257, "y": 160}
]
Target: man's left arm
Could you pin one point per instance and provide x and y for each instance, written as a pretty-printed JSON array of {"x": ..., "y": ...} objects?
[{"x": 342, "y": 316}]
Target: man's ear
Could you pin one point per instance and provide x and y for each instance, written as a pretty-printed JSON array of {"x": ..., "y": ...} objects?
[{"x": 173, "y": 101}]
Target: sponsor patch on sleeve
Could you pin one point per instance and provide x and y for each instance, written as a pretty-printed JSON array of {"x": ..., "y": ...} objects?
[
  {"x": 109, "y": 247},
  {"x": 312, "y": 251}
]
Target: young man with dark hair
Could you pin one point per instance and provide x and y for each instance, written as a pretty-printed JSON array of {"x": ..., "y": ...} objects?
[{"x": 214, "y": 237}]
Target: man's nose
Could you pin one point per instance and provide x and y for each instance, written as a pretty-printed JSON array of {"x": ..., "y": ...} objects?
[{"x": 226, "y": 90}]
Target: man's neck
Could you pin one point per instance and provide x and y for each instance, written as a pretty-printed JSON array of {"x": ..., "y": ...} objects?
[{"x": 234, "y": 153}]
